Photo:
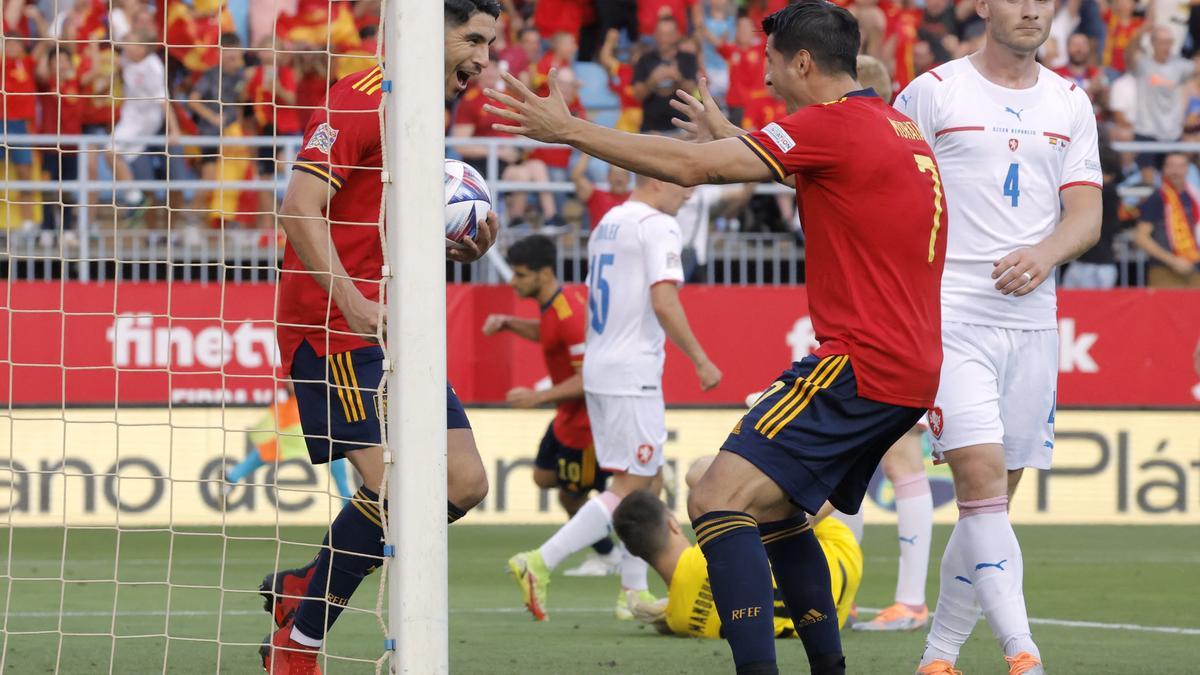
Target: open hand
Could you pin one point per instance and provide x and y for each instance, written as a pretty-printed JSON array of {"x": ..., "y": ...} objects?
[
  {"x": 1022, "y": 271},
  {"x": 702, "y": 119},
  {"x": 540, "y": 118}
]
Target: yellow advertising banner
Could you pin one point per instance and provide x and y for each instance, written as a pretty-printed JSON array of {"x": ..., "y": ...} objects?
[{"x": 157, "y": 466}]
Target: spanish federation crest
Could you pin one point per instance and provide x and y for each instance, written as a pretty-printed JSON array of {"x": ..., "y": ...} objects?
[{"x": 323, "y": 138}]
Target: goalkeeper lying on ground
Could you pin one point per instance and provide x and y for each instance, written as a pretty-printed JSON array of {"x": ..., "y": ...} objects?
[{"x": 651, "y": 532}]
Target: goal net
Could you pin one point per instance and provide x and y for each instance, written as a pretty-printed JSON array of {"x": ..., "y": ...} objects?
[{"x": 152, "y": 467}]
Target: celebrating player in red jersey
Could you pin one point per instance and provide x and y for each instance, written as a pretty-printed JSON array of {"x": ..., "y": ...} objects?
[
  {"x": 874, "y": 219},
  {"x": 329, "y": 320},
  {"x": 566, "y": 458}
]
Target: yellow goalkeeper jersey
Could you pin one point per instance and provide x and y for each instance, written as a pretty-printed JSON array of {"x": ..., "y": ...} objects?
[{"x": 690, "y": 607}]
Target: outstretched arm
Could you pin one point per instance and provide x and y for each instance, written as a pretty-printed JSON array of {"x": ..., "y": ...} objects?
[
  {"x": 583, "y": 185},
  {"x": 547, "y": 119}
]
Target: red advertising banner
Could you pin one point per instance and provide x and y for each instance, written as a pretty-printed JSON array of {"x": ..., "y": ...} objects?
[{"x": 188, "y": 343}]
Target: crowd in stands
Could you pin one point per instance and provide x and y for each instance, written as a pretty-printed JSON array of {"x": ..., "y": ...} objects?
[{"x": 96, "y": 67}]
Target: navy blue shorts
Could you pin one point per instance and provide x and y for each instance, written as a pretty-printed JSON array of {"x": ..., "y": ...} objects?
[
  {"x": 577, "y": 470},
  {"x": 338, "y": 401},
  {"x": 816, "y": 438}
]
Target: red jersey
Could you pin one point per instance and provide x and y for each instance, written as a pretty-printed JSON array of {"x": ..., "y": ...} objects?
[
  {"x": 650, "y": 10},
  {"x": 286, "y": 119},
  {"x": 60, "y": 107},
  {"x": 562, "y": 16},
  {"x": 1120, "y": 32},
  {"x": 341, "y": 146},
  {"x": 874, "y": 219},
  {"x": 902, "y": 24},
  {"x": 601, "y": 202},
  {"x": 18, "y": 97},
  {"x": 620, "y": 82},
  {"x": 470, "y": 111},
  {"x": 747, "y": 71},
  {"x": 562, "y": 336}
]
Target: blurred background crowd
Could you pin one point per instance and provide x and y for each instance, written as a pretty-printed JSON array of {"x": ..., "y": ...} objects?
[{"x": 233, "y": 68}]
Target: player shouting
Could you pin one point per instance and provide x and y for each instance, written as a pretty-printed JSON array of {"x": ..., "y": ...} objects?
[
  {"x": 871, "y": 204},
  {"x": 328, "y": 320}
]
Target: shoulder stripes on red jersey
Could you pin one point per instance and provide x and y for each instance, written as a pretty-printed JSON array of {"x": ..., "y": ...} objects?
[
  {"x": 370, "y": 83},
  {"x": 320, "y": 172},
  {"x": 765, "y": 156}
]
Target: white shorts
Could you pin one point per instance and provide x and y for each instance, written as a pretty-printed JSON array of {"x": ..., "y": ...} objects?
[
  {"x": 998, "y": 385},
  {"x": 133, "y": 126},
  {"x": 628, "y": 432}
]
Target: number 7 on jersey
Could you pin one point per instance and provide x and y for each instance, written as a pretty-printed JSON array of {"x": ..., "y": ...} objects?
[{"x": 926, "y": 164}]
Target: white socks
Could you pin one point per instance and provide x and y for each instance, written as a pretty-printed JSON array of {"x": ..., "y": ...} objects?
[
  {"x": 914, "y": 528},
  {"x": 956, "y": 613},
  {"x": 592, "y": 521},
  {"x": 633, "y": 571},
  {"x": 997, "y": 570},
  {"x": 982, "y": 561}
]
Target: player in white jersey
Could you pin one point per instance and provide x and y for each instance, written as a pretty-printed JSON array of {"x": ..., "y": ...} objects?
[
  {"x": 1017, "y": 149},
  {"x": 634, "y": 272}
]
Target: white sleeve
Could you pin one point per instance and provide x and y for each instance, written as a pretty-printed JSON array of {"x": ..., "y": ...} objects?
[
  {"x": 917, "y": 102},
  {"x": 1082, "y": 165},
  {"x": 662, "y": 250}
]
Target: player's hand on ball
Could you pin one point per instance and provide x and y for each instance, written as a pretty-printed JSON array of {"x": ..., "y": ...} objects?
[
  {"x": 710, "y": 376},
  {"x": 1022, "y": 271},
  {"x": 704, "y": 120},
  {"x": 494, "y": 323},
  {"x": 522, "y": 397},
  {"x": 540, "y": 118},
  {"x": 469, "y": 250}
]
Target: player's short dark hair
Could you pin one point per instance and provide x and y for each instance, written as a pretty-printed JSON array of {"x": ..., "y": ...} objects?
[
  {"x": 536, "y": 252},
  {"x": 828, "y": 32},
  {"x": 459, "y": 12},
  {"x": 640, "y": 520}
]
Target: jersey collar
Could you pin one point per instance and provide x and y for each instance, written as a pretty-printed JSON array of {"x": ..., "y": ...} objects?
[{"x": 550, "y": 302}]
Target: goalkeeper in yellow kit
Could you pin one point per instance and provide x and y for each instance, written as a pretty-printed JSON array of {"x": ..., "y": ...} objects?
[{"x": 650, "y": 531}]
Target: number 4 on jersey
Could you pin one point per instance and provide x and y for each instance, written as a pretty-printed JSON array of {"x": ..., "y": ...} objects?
[{"x": 1012, "y": 183}]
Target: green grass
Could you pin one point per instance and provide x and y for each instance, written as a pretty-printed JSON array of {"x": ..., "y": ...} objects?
[{"x": 1131, "y": 575}]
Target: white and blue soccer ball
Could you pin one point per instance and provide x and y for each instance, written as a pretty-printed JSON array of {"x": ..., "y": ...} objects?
[{"x": 468, "y": 201}]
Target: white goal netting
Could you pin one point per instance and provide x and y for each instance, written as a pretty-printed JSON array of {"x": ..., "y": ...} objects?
[{"x": 152, "y": 467}]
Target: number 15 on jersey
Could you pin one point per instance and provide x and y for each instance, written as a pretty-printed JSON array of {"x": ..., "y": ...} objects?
[{"x": 599, "y": 291}]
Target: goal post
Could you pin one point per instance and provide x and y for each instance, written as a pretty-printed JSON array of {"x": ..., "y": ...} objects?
[{"x": 416, "y": 336}]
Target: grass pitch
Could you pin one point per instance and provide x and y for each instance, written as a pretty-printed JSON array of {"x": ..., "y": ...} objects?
[{"x": 186, "y": 602}]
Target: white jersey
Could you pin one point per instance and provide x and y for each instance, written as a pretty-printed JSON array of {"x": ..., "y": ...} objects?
[
  {"x": 145, "y": 92},
  {"x": 634, "y": 247},
  {"x": 1004, "y": 156}
]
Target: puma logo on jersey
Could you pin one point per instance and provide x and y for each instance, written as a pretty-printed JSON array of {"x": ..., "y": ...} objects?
[
  {"x": 904, "y": 100},
  {"x": 1016, "y": 113}
]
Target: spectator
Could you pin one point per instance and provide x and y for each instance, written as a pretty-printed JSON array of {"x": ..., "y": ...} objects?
[
  {"x": 1097, "y": 267},
  {"x": 903, "y": 20},
  {"x": 558, "y": 159},
  {"x": 143, "y": 108},
  {"x": 872, "y": 24},
  {"x": 716, "y": 23},
  {"x": 563, "y": 50},
  {"x": 751, "y": 104},
  {"x": 618, "y": 15},
  {"x": 18, "y": 96},
  {"x": 651, "y": 11},
  {"x": 922, "y": 57},
  {"x": 659, "y": 73},
  {"x": 761, "y": 9},
  {"x": 1161, "y": 94},
  {"x": 563, "y": 16},
  {"x": 271, "y": 88},
  {"x": 940, "y": 26},
  {"x": 1123, "y": 26},
  {"x": 216, "y": 104},
  {"x": 472, "y": 121},
  {"x": 1081, "y": 68},
  {"x": 1053, "y": 52},
  {"x": 620, "y": 81},
  {"x": 1166, "y": 228},
  {"x": 1173, "y": 16},
  {"x": 61, "y": 111},
  {"x": 520, "y": 58},
  {"x": 312, "y": 81},
  {"x": 599, "y": 201}
]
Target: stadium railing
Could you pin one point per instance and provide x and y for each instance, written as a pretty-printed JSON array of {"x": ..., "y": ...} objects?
[{"x": 247, "y": 255}]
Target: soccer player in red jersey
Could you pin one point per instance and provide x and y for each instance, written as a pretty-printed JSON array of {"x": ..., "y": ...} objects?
[
  {"x": 566, "y": 457},
  {"x": 329, "y": 320},
  {"x": 874, "y": 220}
]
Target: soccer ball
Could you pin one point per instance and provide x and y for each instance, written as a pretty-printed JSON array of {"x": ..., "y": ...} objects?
[{"x": 468, "y": 201}]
